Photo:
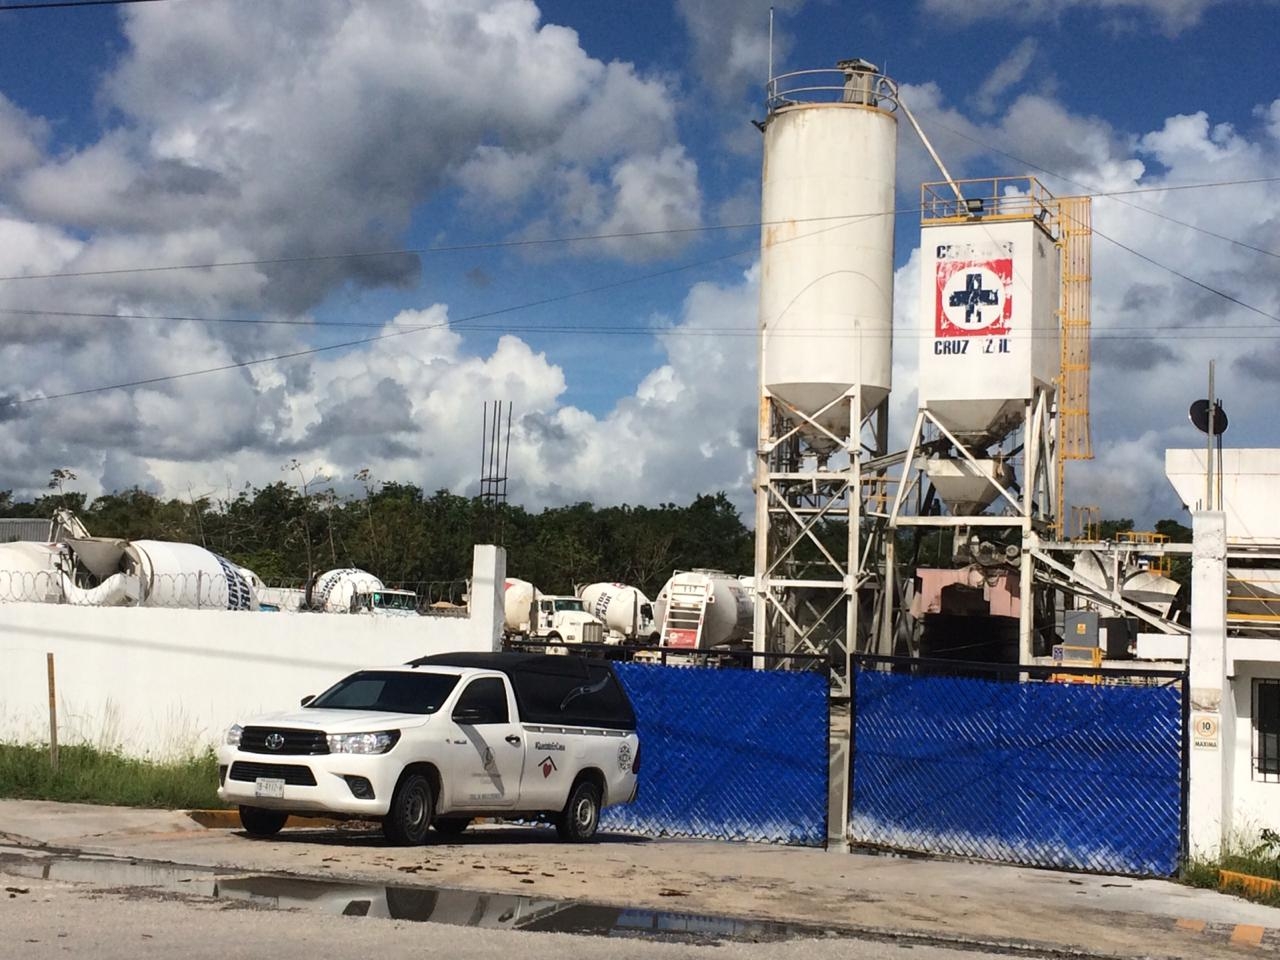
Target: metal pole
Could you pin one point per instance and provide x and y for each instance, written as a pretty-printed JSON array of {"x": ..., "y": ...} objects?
[
  {"x": 53, "y": 713},
  {"x": 768, "y": 87},
  {"x": 1208, "y": 453},
  {"x": 1026, "y": 570}
]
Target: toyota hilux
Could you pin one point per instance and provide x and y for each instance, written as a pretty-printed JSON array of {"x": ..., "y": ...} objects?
[{"x": 440, "y": 741}]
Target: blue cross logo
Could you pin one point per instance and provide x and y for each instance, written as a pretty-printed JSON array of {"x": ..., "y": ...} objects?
[{"x": 973, "y": 297}]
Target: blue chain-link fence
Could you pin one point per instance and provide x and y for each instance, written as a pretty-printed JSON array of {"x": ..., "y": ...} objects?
[
  {"x": 728, "y": 755},
  {"x": 1052, "y": 774}
]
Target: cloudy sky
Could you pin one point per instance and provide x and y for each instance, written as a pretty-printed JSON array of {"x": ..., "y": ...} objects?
[{"x": 225, "y": 187}]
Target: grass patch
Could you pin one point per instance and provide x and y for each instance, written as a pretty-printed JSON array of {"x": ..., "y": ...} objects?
[
  {"x": 1260, "y": 858},
  {"x": 88, "y": 775}
]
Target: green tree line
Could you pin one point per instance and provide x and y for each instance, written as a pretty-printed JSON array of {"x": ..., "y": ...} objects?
[{"x": 288, "y": 532}]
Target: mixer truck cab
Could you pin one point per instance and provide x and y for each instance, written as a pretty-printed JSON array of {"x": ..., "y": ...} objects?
[
  {"x": 566, "y": 619},
  {"x": 386, "y": 603},
  {"x": 440, "y": 741}
]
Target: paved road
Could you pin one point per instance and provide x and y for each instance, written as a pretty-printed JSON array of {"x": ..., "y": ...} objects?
[
  {"x": 927, "y": 902},
  {"x": 53, "y": 921}
]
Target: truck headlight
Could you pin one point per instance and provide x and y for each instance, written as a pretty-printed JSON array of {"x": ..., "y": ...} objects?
[
  {"x": 233, "y": 735},
  {"x": 379, "y": 742}
]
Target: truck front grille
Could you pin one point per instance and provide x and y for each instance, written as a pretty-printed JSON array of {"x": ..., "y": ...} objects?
[
  {"x": 293, "y": 774},
  {"x": 287, "y": 742}
]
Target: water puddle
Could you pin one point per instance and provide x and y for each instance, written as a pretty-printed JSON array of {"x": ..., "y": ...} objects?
[{"x": 449, "y": 905}]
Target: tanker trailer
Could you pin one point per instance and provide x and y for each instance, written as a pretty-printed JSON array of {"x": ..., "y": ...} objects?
[
  {"x": 627, "y": 613},
  {"x": 705, "y": 610}
]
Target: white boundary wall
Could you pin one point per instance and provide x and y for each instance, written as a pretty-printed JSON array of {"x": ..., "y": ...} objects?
[{"x": 162, "y": 683}]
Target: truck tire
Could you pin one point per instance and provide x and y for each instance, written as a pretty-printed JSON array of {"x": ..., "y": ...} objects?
[
  {"x": 412, "y": 806},
  {"x": 451, "y": 826},
  {"x": 578, "y": 821},
  {"x": 259, "y": 822}
]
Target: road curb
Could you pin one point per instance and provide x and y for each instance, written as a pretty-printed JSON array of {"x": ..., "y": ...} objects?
[
  {"x": 230, "y": 820},
  {"x": 1237, "y": 935}
]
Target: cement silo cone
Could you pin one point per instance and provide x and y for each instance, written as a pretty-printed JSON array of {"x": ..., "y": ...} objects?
[{"x": 826, "y": 249}]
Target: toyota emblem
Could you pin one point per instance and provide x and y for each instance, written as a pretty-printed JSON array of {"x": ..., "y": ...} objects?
[{"x": 274, "y": 741}]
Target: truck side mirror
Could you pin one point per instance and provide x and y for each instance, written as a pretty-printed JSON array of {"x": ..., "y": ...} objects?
[
  {"x": 307, "y": 699},
  {"x": 472, "y": 715}
]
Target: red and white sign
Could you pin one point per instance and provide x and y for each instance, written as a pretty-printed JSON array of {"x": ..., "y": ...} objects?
[
  {"x": 975, "y": 297},
  {"x": 684, "y": 639}
]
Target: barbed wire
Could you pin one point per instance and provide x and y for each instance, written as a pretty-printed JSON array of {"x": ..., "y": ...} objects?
[{"x": 208, "y": 591}]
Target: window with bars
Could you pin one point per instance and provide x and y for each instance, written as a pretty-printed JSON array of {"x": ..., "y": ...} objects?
[{"x": 1266, "y": 730}]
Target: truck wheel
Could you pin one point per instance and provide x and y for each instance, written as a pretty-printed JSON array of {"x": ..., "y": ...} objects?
[
  {"x": 412, "y": 805},
  {"x": 451, "y": 826},
  {"x": 581, "y": 815},
  {"x": 258, "y": 822}
]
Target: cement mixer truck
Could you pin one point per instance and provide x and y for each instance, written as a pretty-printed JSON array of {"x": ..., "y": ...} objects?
[
  {"x": 352, "y": 590},
  {"x": 103, "y": 572},
  {"x": 626, "y": 612},
  {"x": 530, "y": 613},
  {"x": 705, "y": 610}
]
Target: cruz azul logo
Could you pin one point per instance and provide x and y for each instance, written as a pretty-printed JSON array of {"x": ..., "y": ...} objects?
[{"x": 974, "y": 296}]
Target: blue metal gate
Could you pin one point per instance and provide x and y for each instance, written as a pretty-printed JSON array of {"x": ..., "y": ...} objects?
[
  {"x": 1077, "y": 775},
  {"x": 728, "y": 754}
]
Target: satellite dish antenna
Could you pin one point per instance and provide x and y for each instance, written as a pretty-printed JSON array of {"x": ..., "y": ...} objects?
[{"x": 1199, "y": 414}]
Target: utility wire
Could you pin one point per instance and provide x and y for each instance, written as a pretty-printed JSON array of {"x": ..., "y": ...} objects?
[
  {"x": 55, "y": 4},
  {"x": 418, "y": 328},
  {"x": 1118, "y": 194},
  {"x": 373, "y": 339},
  {"x": 562, "y": 328},
  {"x": 583, "y": 238},
  {"x": 558, "y": 298}
]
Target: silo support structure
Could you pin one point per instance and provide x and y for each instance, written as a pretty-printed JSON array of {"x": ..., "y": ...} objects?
[
  {"x": 811, "y": 574},
  {"x": 808, "y": 581},
  {"x": 1028, "y": 506}
]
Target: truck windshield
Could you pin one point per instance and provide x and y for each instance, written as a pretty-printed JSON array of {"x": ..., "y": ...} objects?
[
  {"x": 395, "y": 601},
  {"x": 392, "y": 691},
  {"x": 569, "y": 605}
]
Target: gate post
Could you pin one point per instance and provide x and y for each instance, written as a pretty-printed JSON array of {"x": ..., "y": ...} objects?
[
  {"x": 1209, "y": 797},
  {"x": 840, "y": 717}
]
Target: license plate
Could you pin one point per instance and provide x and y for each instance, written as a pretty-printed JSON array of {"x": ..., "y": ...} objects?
[{"x": 264, "y": 787}]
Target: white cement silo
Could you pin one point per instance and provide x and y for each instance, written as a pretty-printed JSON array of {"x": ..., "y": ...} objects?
[
  {"x": 989, "y": 337},
  {"x": 826, "y": 249}
]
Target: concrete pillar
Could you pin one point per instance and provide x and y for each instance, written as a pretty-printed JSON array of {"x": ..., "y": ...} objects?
[
  {"x": 488, "y": 582},
  {"x": 1209, "y": 798}
]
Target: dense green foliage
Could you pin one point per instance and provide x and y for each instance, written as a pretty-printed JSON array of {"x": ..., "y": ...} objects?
[
  {"x": 88, "y": 775},
  {"x": 285, "y": 532}
]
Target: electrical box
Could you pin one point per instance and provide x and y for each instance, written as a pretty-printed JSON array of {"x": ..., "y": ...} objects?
[{"x": 1080, "y": 628}]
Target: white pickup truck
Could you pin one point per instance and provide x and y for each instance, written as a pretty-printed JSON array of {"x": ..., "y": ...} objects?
[{"x": 439, "y": 741}]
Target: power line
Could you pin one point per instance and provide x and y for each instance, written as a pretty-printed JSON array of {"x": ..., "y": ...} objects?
[
  {"x": 1117, "y": 194},
  {"x": 454, "y": 247},
  {"x": 1142, "y": 331},
  {"x": 1192, "y": 280},
  {"x": 55, "y": 4},
  {"x": 365, "y": 340},
  {"x": 417, "y": 329},
  {"x": 1142, "y": 256},
  {"x": 581, "y": 238},
  {"x": 547, "y": 300}
]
